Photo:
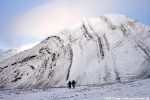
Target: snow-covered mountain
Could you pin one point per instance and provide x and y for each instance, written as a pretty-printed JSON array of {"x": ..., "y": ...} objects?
[
  {"x": 107, "y": 49},
  {"x": 12, "y": 52}
]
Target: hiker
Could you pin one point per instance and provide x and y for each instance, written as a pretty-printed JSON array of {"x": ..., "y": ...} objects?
[
  {"x": 73, "y": 84},
  {"x": 69, "y": 84}
]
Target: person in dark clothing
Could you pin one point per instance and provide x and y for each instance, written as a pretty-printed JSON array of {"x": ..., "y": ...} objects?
[
  {"x": 73, "y": 84},
  {"x": 69, "y": 84}
]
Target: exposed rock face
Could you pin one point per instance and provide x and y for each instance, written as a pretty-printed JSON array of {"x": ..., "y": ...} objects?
[{"x": 108, "y": 49}]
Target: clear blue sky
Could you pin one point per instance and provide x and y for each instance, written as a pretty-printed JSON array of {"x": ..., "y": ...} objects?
[{"x": 12, "y": 9}]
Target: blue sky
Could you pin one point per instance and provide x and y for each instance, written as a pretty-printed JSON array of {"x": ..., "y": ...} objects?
[
  {"x": 28, "y": 21},
  {"x": 9, "y": 9}
]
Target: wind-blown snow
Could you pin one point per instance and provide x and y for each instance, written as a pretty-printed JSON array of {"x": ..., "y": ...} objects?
[{"x": 107, "y": 49}]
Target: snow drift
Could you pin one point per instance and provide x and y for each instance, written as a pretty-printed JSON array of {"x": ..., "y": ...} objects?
[{"x": 107, "y": 49}]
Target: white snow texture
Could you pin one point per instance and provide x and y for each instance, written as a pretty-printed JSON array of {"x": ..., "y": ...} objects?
[{"x": 139, "y": 90}]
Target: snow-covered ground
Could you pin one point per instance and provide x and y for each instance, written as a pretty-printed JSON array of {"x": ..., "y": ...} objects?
[{"x": 138, "y": 90}]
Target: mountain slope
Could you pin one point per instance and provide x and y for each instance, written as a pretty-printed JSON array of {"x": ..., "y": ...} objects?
[
  {"x": 12, "y": 52},
  {"x": 107, "y": 49}
]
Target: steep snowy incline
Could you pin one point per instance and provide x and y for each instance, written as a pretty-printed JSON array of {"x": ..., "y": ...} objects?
[
  {"x": 37, "y": 67},
  {"x": 10, "y": 53},
  {"x": 107, "y": 49}
]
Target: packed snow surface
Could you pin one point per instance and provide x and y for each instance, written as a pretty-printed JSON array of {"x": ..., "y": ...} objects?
[{"x": 139, "y": 90}]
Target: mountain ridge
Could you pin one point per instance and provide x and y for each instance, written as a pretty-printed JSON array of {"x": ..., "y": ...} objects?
[{"x": 14, "y": 51}]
